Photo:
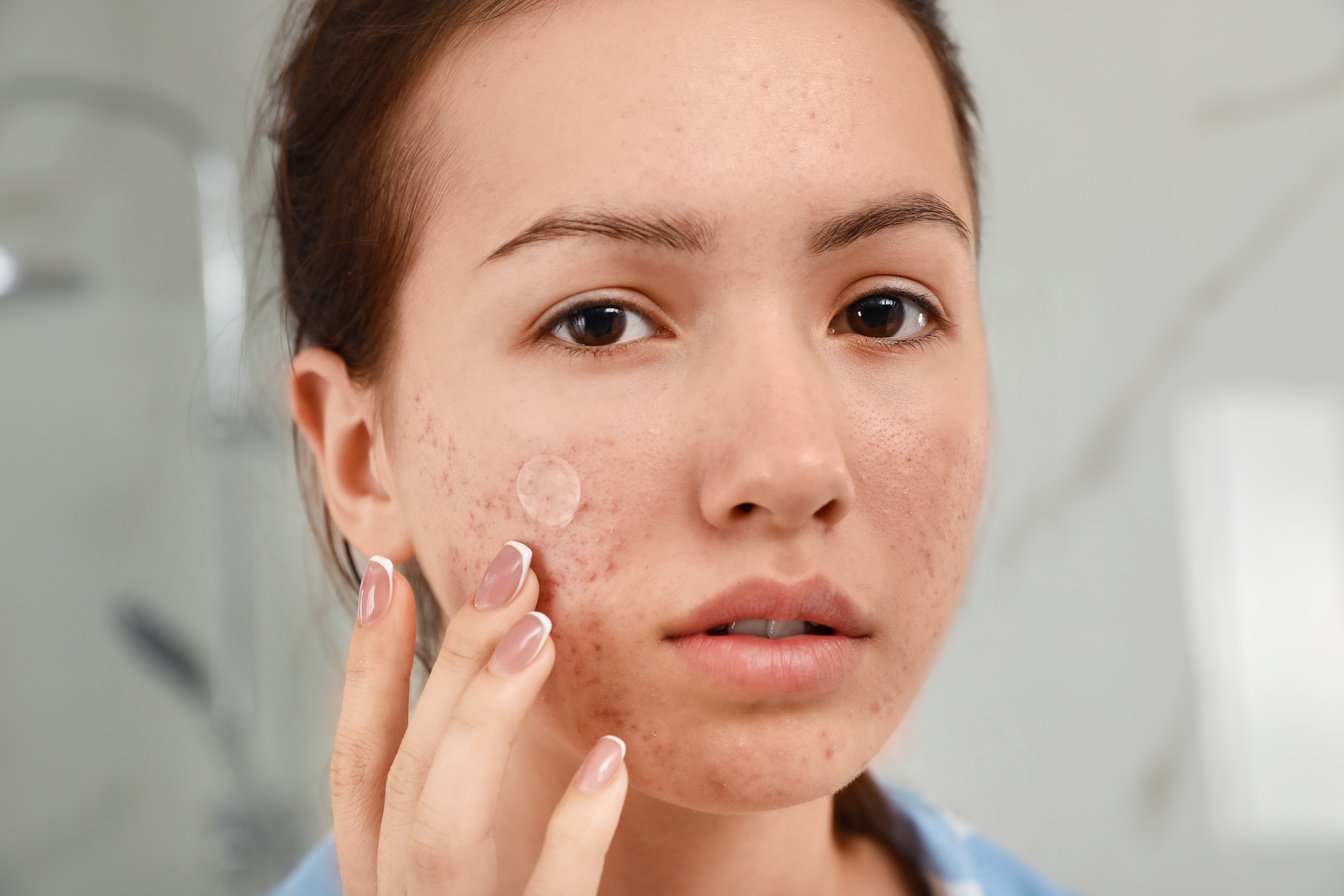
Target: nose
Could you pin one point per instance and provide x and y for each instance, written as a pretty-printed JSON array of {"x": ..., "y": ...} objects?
[{"x": 773, "y": 453}]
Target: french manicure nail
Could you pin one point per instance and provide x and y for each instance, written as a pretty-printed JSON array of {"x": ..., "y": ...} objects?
[
  {"x": 520, "y": 644},
  {"x": 375, "y": 590},
  {"x": 504, "y": 577},
  {"x": 603, "y": 760}
]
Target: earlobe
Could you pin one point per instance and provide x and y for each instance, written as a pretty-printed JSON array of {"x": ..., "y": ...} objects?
[{"x": 338, "y": 424}]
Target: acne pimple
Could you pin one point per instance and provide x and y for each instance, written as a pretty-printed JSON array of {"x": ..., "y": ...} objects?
[{"x": 548, "y": 489}]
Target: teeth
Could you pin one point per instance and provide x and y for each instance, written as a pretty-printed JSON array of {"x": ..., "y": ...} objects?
[{"x": 771, "y": 628}]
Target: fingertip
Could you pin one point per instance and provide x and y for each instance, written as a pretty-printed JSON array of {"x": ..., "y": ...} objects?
[
  {"x": 604, "y": 762},
  {"x": 376, "y": 590},
  {"x": 525, "y": 552},
  {"x": 620, "y": 743},
  {"x": 405, "y": 608}
]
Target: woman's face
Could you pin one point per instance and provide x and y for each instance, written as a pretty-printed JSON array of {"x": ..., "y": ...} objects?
[{"x": 748, "y": 413}]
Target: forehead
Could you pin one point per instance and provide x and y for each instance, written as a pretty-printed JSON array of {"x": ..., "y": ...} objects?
[{"x": 741, "y": 111}]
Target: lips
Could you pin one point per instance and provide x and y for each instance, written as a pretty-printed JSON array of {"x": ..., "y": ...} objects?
[{"x": 815, "y": 600}]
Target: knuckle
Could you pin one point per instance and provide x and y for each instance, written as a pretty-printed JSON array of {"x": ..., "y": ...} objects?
[
  {"x": 403, "y": 790},
  {"x": 363, "y": 675},
  {"x": 350, "y": 767},
  {"x": 427, "y": 861},
  {"x": 361, "y": 667},
  {"x": 467, "y": 723},
  {"x": 435, "y": 845},
  {"x": 459, "y": 656}
]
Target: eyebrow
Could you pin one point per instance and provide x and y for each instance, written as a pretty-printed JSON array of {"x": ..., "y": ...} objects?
[{"x": 692, "y": 233}]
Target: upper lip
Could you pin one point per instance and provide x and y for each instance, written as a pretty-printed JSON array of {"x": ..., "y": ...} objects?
[{"x": 814, "y": 600}]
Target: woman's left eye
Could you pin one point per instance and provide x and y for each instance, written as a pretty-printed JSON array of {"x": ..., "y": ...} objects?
[
  {"x": 896, "y": 317},
  {"x": 600, "y": 325},
  {"x": 892, "y": 315}
]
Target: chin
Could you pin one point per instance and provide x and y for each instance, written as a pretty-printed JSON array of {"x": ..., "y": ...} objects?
[
  {"x": 712, "y": 792},
  {"x": 743, "y": 769}
]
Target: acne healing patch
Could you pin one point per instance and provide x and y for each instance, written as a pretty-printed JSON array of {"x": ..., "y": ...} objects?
[{"x": 548, "y": 488}]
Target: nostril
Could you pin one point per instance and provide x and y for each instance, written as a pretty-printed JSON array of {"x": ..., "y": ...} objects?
[
  {"x": 744, "y": 508},
  {"x": 830, "y": 511}
]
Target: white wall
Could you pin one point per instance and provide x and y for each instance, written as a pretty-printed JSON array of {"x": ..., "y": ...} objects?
[{"x": 1163, "y": 194}]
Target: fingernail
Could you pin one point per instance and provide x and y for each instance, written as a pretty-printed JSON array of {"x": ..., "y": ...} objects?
[
  {"x": 520, "y": 644},
  {"x": 504, "y": 577},
  {"x": 375, "y": 590},
  {"x": 603, "y": 760}
]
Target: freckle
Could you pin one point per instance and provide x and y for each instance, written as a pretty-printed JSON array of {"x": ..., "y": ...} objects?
[
  {"x": 876, "y": 707},
  {"x": 597, "y": 647}
]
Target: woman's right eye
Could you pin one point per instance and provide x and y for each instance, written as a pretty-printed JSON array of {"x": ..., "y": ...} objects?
[{"x": 600, "y": 324}]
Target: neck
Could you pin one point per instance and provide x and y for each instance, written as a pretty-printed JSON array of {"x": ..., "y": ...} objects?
[{"x": 661, "y": 849}]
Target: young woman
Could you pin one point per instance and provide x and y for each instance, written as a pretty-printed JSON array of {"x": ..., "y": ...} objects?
[{"x": 637, "y": 344}]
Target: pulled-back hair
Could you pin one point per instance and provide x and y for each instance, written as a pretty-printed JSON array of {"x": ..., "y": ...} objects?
[{"x": 351, "y": 189}]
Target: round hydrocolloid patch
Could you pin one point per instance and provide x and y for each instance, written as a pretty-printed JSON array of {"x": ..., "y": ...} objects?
[{"x": 548, "y": 488}]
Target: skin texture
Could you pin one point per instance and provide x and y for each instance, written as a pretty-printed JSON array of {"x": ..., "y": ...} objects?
[{"x": 861, "y": 463}]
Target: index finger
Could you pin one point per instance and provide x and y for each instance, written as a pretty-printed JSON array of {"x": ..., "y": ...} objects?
[
  {"x": 372, "y": 720},
  {"x": 467, "y": 644}
]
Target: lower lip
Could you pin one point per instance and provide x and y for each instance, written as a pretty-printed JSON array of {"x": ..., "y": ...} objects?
[{"x": 751, "y": 665}]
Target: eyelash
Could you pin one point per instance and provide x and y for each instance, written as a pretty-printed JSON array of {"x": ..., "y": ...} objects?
[{"x": 941, "y": 326}]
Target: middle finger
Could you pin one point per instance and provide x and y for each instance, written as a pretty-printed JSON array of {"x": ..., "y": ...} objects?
[{"x": 468, "y": 641}]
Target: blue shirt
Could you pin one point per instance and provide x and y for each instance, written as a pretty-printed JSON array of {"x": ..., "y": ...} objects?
[{"x": 954, "y": 858}]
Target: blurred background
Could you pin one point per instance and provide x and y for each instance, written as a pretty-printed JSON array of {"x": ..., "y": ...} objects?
[{"x": 1144, "y": 692}]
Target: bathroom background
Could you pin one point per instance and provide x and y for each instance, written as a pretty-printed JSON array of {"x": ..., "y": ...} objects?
[{"x": 1145, "y": 690}]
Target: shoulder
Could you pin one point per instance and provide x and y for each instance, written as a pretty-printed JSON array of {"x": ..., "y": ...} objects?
[
  {"x": 957, "y": 859},
  {"x": 317, "y": 873}
]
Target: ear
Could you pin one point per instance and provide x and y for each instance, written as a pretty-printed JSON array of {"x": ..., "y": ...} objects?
[{"x": 339, "y": 423}]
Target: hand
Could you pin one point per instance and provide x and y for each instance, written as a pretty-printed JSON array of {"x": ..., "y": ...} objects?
[{"x": 414, "y": 804}]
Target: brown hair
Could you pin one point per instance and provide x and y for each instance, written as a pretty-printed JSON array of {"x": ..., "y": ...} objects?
[{"x": 347, "y": 201}]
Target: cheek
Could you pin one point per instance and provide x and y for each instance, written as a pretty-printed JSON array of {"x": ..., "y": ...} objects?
[
  {"x": 922, "y": 492},
  {"x": 570, "y": 500},
  {"x": 586, "y": 696}
]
